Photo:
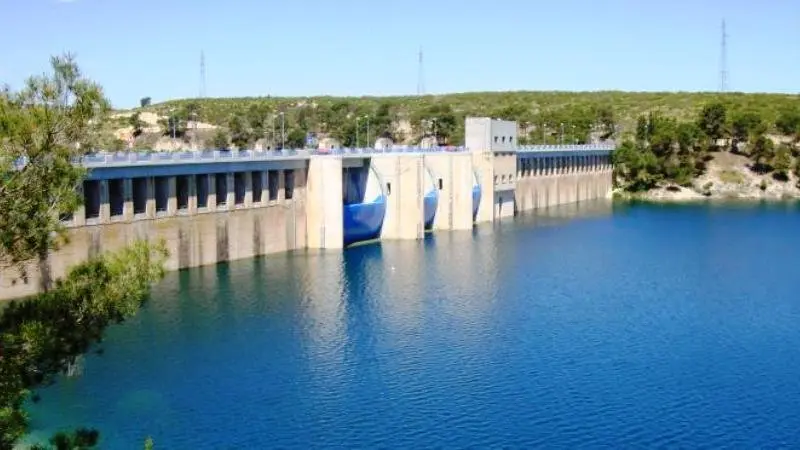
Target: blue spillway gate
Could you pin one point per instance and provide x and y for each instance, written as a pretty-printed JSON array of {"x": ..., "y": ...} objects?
[
  {"x": 430, "y": 203},
  {"x": 363, "y": 219},
  {"x": 476, "y": 196}
]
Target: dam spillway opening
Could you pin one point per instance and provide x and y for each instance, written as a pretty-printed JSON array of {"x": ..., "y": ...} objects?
[
  {"x": 430, "y": 202},
  {"x": 476, "y": 195},
  {"x": 364, "y": 202}
]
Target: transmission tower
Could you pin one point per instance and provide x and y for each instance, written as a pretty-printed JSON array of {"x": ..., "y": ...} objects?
[
  {"x": 202, "y": 74},
  {"x": 420, "y": 75},
  {"x": 723, "y": 63}
]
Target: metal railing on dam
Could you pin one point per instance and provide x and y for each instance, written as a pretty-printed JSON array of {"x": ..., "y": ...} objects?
[
  {"x": 104, "y": 159},
  {"x": 144, "y": 158},
  {"x": 544, "y": 148}
]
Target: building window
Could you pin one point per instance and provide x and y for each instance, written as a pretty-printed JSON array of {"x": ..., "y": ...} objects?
[
  {"x": 289, "y": 184},
  {"x": 272, "y": 184},
  {"x": 139, "y": 195},
  {"x": 495, "y": 139},
  {"x": 116, "y": 198},
  {"x": 257, "y": 186},
  {"x": 511, "y": 139}
]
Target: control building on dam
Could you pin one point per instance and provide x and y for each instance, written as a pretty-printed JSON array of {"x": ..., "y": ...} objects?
[{"x": 211, "y": 207}]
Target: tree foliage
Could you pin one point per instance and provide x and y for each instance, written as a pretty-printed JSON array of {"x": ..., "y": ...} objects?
[
  {"x": 42, "y": 336},
  {"x": 782, "y": 162},
  {"x": 42, "y": 129},
  {"x": 221, "y": 140},
  {"x": 712, "y": 121},
  {"x": 136, "y": 122},
  {"x": 667, "y": 150}
]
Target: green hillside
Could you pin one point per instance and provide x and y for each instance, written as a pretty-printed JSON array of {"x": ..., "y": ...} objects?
[{"x": 336, "y": 115}]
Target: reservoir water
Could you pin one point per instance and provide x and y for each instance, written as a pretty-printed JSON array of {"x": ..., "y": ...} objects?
[{"x": 591, "y": 326}]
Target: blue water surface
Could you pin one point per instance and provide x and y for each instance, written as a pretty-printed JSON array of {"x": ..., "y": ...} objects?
[{"x": 583, "y": 327}]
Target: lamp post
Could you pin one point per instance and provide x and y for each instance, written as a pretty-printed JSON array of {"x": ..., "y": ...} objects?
[
  {"x": 561, "y": 137},
  {"x": 283, "y": 132},
  {"x": 367, "y": 117},
  {"x": 194, "y": 127},
  {"x": 266, "y": 147},
  {"x": 357, "y": 140},
  {"x": 272, "y": 140}
]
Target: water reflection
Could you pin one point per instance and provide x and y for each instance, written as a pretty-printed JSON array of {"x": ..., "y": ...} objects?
[{"x": 512, "y": 334}]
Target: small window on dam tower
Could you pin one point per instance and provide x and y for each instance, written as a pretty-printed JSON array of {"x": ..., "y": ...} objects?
[{"x": 441, "y": 185}]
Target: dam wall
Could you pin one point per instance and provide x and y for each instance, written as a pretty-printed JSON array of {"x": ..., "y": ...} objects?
[
  {"x": 548, "y": 180},
  {"x": 212, "y": 207}
]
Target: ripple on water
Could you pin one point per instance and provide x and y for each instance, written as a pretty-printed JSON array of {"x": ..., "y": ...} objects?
[{"x": 624, "y": 326}]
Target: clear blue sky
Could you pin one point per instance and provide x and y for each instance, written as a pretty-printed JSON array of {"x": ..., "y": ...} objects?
[{"x": 369, "y": 47}]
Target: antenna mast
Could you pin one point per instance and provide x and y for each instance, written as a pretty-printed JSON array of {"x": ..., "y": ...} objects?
[
  {"x": 202, "y": 74},
  {"x": 723, "y": 69},
  {"x": 420, "y": 74}
]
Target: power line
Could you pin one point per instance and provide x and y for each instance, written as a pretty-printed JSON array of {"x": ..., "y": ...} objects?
[
  {"x": 723, "y": 63},
  {"x": 420, "y": 74},
  {"x": 202, "y": 74}
]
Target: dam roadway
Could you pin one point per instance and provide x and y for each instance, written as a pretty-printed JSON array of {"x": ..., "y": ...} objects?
[{"x": 217, "y": 206}]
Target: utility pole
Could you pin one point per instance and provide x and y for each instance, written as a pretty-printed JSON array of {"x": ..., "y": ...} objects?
[
  {"x": 420, "y": 74},
  {"x": 202, "y": 74},
  {"x": 723, "y": 63}
]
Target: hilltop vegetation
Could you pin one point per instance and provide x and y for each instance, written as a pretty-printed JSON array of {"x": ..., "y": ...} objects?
[
  {"x": 669, "y": 151},
  {"x": 666, "y": 139},
  {"x": 407, "y": 119}
]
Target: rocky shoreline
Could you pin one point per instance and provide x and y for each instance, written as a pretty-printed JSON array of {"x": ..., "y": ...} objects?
[{"x": 728, "y": 177}]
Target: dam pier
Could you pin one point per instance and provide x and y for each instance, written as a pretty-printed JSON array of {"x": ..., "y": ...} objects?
[{"x": 217, "y": 206}]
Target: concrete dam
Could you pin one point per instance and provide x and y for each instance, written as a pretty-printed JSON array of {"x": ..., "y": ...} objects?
[{"x": 211, "y": 207}]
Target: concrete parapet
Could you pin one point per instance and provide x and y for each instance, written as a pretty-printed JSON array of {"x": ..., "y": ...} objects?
[
  {"x": 403, "y": 176},
  {"x": 324, "y": 208}
]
